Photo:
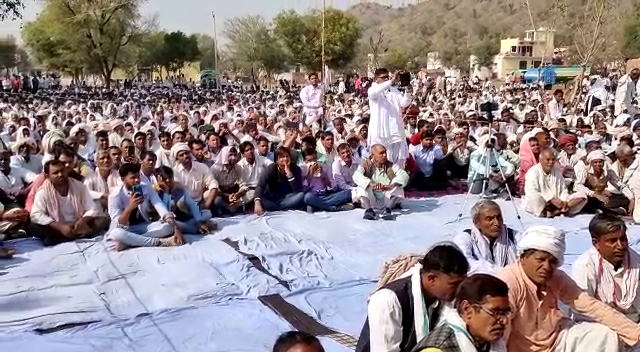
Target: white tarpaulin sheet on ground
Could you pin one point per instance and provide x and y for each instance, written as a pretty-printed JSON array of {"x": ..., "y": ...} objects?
[{"x": 203, "y": 296}]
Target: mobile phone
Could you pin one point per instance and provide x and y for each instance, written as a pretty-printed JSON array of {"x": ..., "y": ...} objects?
[
  {"x": 405, "y": 79},
  {"x": 137, "y": 190}
]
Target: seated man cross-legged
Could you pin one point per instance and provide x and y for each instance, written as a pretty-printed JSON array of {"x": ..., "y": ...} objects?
[
  {"x": 130, "y": 209},
  {"x": 545, "y": 191},
  {"x": 610, "y": 270},
  {"x": 280, "y": 185},
  {"x": 536, "y": 286},
  {"x": 380, "y": 182},
  {"x": 63, "y": 209},
  {"x": 189, "y": 218}
]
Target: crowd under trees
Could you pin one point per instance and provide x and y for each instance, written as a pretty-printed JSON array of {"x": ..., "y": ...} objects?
[{"x": 80, "y": 38}]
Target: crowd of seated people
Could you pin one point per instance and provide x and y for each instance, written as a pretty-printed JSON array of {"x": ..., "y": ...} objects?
[{"x": 493, "y": 289}]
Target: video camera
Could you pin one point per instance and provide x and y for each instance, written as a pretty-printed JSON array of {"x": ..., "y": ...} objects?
[{"x": 488, "y": 108}]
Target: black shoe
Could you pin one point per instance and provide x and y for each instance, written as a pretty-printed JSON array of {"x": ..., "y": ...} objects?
[
  {"x": 386, "y": 214},
  {"x": 369, "y": 214}
]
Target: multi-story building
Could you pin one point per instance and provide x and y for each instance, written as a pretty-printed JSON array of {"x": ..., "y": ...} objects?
[{"x": 519, "y": 54}]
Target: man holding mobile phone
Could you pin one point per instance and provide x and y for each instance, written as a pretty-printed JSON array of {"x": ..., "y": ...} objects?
[{"x": 386, "y": 104}]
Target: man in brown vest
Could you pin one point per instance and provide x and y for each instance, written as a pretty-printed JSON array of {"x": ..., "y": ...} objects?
[{"x": 380, "y": 184}]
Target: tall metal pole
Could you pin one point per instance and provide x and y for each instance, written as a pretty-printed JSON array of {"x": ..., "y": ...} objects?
[{"x": 215, "y": 50}]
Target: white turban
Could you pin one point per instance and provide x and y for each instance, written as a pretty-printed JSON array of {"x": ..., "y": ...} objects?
[
  {"x": 179, "y": 147},
  {"x": 543, "y": 238},
  {"x": 596, "y": 155}
]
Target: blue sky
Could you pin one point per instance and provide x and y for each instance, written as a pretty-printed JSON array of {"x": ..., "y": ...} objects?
[{"x": 194, "y": 16}]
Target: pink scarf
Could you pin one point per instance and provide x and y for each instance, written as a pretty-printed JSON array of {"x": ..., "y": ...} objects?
[{"x": 75, "y": 194}]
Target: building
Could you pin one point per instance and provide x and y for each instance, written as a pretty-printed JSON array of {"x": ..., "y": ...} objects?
[{"x": 519, "y": 54}]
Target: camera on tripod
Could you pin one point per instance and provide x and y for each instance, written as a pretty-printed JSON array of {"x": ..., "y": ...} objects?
[{"x": 488, "y": 108}]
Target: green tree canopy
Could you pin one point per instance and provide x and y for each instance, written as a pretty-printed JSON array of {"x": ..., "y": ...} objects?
[
  {"x": 253, "y": 47},
  {"x": 302, "y": 37},
  {"x": 395, "y": 59},
  {"x": 89, "y": 36},
  {"x": 207, "y": 47},
  {"x": 631, "y": 47},
  {"x": 177, "y": 49}
]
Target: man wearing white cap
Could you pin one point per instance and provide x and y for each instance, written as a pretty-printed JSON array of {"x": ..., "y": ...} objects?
[
  {"x": 535, "y": 287},
  {"x": 594, "y": 179}
]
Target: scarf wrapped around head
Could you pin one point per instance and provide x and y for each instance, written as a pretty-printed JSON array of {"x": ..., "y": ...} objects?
[
  {"x": 596, "y": 155},
  {"x": 50, "y": 138},
  {"x": 75, "y": 195},
  {"x": 543, "y": 238},
  {"x": 177, "y": 148},
  {"x": 223, "y": 156},
  {"x": 568, "y": 138}
]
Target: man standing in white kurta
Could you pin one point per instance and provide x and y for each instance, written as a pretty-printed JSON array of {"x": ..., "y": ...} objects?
[{"x": 386, "y": 126}]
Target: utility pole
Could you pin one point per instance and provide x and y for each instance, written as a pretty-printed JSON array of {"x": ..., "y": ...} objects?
[{"x": 215, "y": 50}]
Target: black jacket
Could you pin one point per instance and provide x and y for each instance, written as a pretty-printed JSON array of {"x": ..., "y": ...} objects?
[{"x": 274, "y": 185}]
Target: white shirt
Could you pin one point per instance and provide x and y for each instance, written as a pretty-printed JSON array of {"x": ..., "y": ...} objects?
[
  {"x": 386, "y": 103},
  {"x": 98, "y": 186},
  {"x": 251, "y": 173},
  {"x": 34, "y": 165},
  {"x": 311, "y": 99},
  {"x": 548, "y": 186},
  {"x": 16, "y": 180},
  {"x": 555, "y": 109},
  {"x": 197, "y": 180},
  {"x": 343, "y": 174}
]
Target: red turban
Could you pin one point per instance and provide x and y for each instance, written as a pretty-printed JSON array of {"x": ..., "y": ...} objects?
[{"x": 568, "y": 138}]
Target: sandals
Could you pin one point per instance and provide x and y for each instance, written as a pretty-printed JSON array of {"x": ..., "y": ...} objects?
[{"x": 7, "y": 253}]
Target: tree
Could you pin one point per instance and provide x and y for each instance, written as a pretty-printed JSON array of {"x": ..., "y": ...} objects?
[
  {"x": 207, "y": 47},
  {"x": 8, "y": 53},
  {"x": 587, "y": 23},
  {"x": 177, "y": 49},
  {"x": 253, "y": 46},
  {"x": 631, "y": 36},
  {"x": 395, "y": 59},
  {"x": 10, "y": 9},
  {"x": 85, "y": 35},
  {"x": 302, "y": 37},
  {"x": 485, "y": 51}
]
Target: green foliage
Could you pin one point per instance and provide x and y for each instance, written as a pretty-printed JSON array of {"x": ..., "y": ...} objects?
[
  {"x": 395, "y": 59},
  {"x": 11, "y": 10},
  {"x": 177, "y": 49},
  {"x": 631, "y": 47},
  {"x": 207, "y": 47},
  {"x": 253, "y": 47},
  {"x": 79, "y": 36},
  {"x": 302, "y": 36},
  {"x": 486, "y": 50}
]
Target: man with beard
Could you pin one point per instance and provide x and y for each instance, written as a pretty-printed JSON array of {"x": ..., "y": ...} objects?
[{"x": 25, "y": 157}]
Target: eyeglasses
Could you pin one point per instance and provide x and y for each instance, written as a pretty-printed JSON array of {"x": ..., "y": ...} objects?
[
  {"x": 384, "y": 77},
  {"x": 503, "y": 314}
]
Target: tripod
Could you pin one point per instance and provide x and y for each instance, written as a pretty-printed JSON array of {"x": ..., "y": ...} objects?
[{"x": 489, "y": 151}]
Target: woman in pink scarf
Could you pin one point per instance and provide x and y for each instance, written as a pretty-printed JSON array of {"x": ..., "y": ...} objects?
[{"x": 530, "y": 146}]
